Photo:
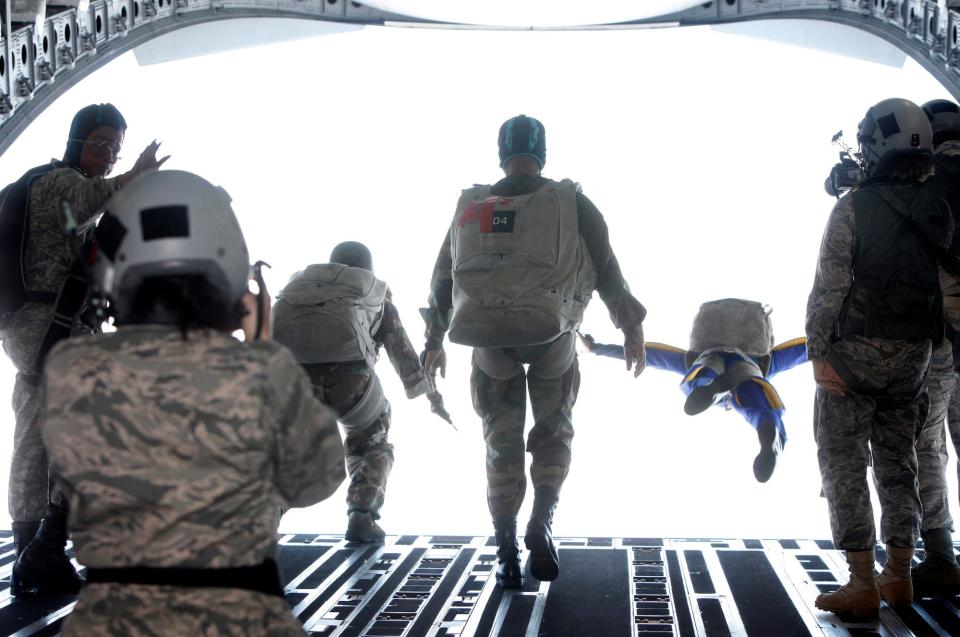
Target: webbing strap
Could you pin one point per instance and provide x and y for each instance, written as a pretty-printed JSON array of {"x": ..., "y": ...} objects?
[
  {"x": 262, "y": 578},
  {"x": 69, "y": 302}
]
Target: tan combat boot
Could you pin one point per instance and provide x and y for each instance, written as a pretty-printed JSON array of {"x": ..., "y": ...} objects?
[
  {"x": 860, "y": 597},
  {"x": 896, "y": 587}
]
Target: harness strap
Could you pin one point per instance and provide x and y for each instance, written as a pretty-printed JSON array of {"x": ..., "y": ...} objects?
[
  {"x": 69, "y": 302},
  {"x": 30, "y": 379},
  {"x": 883, "y": 401},
  {"x": 262, "y": 578}
]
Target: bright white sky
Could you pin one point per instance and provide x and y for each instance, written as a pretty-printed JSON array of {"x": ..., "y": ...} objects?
[{"x": 705, "y": 151}]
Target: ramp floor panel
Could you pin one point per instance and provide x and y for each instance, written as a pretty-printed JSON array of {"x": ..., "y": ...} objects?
[{"x": 444, "y": 586}]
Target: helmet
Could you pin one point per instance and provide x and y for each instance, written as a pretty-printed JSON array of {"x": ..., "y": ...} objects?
[
  {"x": 892, "y": 128},
  {"x": 944, "y": 117},
  {"x": 353, "y": 254},
  {"x": 169, "y": 223},
  {"x": 88, "y": 119},
  {"x": 522, "y": 136}
]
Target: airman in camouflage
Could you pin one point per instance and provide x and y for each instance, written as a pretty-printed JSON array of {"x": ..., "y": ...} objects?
[
  {"x": 306, "y": 318},
  {"x": 179, "y": 452},
  {"x": 499, "y": 381},
  {"x": 61, "y": 196},
  {"x": 870, "y": 338},
  {"x": 177, "y": 444},
  {"x": 938, "y": 573}
]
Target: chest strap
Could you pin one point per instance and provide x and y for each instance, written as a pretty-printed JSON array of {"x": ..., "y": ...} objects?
[
  {"x": 262, "y": 578},
  {"x": 69, "y": 302}
]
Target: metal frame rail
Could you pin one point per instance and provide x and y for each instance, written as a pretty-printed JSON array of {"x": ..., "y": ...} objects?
[{"x": 40, "y": 61}]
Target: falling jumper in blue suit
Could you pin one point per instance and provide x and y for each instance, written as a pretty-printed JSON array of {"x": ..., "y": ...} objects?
[{"x": 751, "y": 394}]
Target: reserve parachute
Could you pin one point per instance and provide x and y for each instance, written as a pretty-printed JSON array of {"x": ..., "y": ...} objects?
[
  {"x": 733, "y": 323},
  {"x": 346, "y": 301},
  {"x": 522, "y": 274},
  {"x": 14, "y": 204}
]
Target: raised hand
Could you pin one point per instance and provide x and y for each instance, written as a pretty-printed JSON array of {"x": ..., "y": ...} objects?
[{"x": 148, "y": 159}]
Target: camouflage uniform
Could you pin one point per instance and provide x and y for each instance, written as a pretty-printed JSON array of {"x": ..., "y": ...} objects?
[
  {"x": 499, "y": 384},
  {"x": 180, "y": 452},
  {"x": 48, "y": 255},
  {"x": 953, "y": 421},
  {"x": 932, "y": 454},
  {"x": 883, "y": 409},
  {"x": 342, "y": 385}
]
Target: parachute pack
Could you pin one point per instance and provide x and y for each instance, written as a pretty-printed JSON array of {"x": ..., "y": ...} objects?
[
  {"x": 733, "y": 323},
  {"x": 328, "y": 313},
  {"x": 14, "y": 201},
  {"x": 522, "y": 274}
]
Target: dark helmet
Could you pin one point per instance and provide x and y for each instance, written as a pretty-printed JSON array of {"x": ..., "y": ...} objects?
[
  {"x": 522, "y": 136},
  {"x": 353, "y": 254},
  {"x": 944, "y": 117},
  {"x": 88, "y": 119}
]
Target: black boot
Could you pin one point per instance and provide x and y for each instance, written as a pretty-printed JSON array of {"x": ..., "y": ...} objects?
[
  {"x": 702, "y": 397},
  {"x": 23, "y": 532},
  {"x": 362, "y": 527},
  {"x": 938, "y": 573},
  {"x": 509, "y": 571},
  {"x": 544, "y": 561},
  {"x": 770, "y": 448},
  {"x": 43, "y": 567}
]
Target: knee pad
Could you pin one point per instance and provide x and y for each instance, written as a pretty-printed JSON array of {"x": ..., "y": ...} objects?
[{"x": 367, "y": 409}]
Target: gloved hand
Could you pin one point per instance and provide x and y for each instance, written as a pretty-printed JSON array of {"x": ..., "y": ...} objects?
[
  {"x": 436, "y": 406},
  {"x": 633, "y": 350},
  {"x": 432, "y": 360}
]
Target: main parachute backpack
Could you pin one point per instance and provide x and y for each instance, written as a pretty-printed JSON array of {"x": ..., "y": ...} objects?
[
  {"x": 14, "y": 200},
  {"x": 733, "y": 323},
  {"x": 328, "y": 313},
  {"x": 522, "y": 274}
]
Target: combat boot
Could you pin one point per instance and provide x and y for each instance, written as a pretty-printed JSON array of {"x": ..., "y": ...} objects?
[
  {"x": 509, "y": 571},
  {"x": 544, "y": 560},
  {"x": 23, "y": 532},
  {"x": 701, "y": 398},
  {"x": 770, "y": 447},
  {"x": 896, "y": 588},
  {"x": 43, "y": 567},
  {"x": 362, "y": 527},
  {"x": 938, "y": 573},
  {"x": 860, "y": 597}
]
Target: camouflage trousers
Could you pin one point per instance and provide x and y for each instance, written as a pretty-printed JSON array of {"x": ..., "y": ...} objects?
[
  {"x": 953, "y": 420},
  {"x": 932, "y": 455},
  {"x": 30, "y": 487},
  {"x": 880, "y": 416},
  {"x": 128, "y": 610},
  {"x": 369, "y": 455},
  {"x": 502, "y": 405}
]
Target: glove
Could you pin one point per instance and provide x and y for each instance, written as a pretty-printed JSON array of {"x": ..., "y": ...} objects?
[{"x": 436, "y": 406}]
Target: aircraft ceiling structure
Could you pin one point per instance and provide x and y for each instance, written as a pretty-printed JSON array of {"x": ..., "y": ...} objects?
[
  {"x": 532, "y": 13},
  {"x": 43, "y": 58}
]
